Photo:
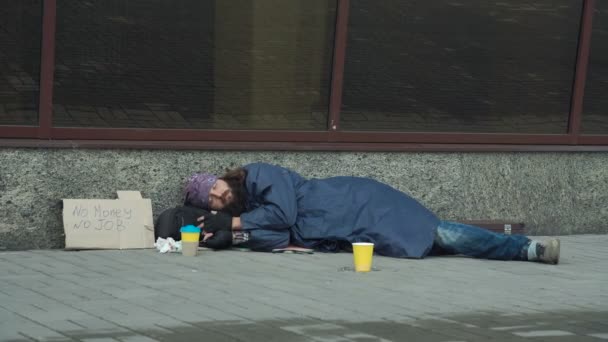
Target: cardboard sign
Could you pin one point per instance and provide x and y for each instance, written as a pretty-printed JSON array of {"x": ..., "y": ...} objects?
[{"x": 109, "y": 224}]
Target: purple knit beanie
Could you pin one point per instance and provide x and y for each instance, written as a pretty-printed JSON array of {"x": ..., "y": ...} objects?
[{"x": 197, "y": 189}]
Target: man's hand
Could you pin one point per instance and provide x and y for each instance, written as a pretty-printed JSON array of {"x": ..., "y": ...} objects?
[
  {"x": 214, "y": 223},
  {"x": 220, "y": 240}
]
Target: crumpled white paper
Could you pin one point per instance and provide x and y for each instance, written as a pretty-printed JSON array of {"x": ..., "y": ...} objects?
[{"x": 168, "y": 245}]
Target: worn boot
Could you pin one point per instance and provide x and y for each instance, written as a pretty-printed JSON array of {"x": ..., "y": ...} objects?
[{"x": 548, "y": 251}]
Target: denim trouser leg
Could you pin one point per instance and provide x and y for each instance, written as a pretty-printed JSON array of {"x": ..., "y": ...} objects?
[{"x": 458, "y": 238}]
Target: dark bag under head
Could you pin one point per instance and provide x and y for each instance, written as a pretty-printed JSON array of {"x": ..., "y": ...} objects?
[{"x": 171, "y": 220}]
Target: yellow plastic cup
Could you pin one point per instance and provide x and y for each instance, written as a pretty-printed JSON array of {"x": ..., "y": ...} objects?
[{"x": 362, "y": 256}]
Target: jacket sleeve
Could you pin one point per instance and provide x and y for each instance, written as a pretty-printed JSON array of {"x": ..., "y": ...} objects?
[
  {"x": 263, "y": 240},
  {"x": 273, "y": 187}
]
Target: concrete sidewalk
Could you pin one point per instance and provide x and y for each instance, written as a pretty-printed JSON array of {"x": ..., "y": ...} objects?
[{"x": 141, "y": 295}]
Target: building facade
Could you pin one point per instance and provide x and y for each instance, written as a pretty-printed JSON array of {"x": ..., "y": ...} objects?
[{"x": 481, "y": 110}]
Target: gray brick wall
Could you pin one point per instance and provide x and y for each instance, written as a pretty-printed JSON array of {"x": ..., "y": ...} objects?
[{"x": 552, "y": 193}]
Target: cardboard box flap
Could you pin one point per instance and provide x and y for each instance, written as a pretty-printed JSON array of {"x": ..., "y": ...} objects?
[{"x": 124, "y": 194}]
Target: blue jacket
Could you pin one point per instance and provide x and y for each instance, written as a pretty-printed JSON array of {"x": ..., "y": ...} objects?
[{"x": 328, "y": 214}]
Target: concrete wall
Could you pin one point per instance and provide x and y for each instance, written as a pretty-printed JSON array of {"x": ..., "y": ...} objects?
[{"x": 553, "y": 193}]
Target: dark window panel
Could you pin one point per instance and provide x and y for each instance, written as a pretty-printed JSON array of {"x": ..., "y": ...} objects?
[
  {"x": 595, "y": 107},
  {"x": 239, "y": 64},
  {"x": 20, "y": 34},
  {"x": 460, "y": 66}
]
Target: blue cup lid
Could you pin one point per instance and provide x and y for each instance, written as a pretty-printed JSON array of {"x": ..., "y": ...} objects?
[{"x": 190, "y": 229}]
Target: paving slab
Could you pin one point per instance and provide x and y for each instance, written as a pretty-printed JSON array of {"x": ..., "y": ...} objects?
[{"x": 141, "y": 295}]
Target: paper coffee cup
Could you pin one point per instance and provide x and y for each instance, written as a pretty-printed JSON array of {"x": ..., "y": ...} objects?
[
  {"x": 190, "y": 237},
  {"x": 362, "y": 256}
]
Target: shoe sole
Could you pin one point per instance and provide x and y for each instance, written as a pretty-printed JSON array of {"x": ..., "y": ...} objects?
[{"x": 555, "y": 247}]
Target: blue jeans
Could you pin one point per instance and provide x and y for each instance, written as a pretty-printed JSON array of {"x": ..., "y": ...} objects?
[{"x": 457, "y": 238}]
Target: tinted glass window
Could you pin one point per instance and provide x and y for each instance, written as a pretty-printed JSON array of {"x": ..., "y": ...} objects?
[
  {"x": 202, "y": 64},
  {"x": 460, "y": 66},
  {"x": 20, "y": 34}
]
